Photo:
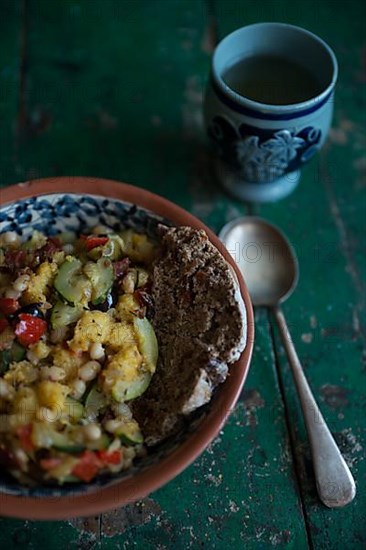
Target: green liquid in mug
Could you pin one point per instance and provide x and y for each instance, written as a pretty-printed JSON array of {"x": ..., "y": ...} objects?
[{"x": 272, "y": 80}]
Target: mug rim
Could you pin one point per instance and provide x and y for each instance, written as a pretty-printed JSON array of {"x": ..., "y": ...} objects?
[{"x": 253, "y": 105}]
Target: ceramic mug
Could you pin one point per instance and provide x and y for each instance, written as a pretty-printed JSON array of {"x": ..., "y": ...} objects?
[{"x": 261, "y": 147}]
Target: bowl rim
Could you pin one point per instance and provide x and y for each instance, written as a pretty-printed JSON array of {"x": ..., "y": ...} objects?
[{"x": 141, "y": 484}]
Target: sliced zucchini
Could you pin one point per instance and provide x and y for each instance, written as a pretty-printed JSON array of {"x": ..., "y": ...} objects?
[
  {"x": 95, "y": 403},
  {"x": 101, "y": 276},
  {"x": 142, "y": 277},
  {"x": 137, "y": 246},
  {"x": 63, "y": 314},
  {"x": 5, "y": 360},
  {"x": 45, "y": 436},
  {"x": 113, "y": 249},
  {"x": 71, "y": 283},
  {"x": 147, "y": 342},
  {"x": 75, "y": 409},
  {"x": 71, "y": 479},
  {"x": 72, "y": 448},
  {"x": 130, "y": 433},
  {"x": 125, "y": 390},
  {"x": 64, "y": 443},
  {"x": 102, "y": 443},
  {"x": 15, "y": 354}
]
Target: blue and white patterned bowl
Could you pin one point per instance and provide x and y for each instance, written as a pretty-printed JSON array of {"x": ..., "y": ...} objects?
[
  {"x": 57, "y": 213},
  {"x": 65, "y": 204}
]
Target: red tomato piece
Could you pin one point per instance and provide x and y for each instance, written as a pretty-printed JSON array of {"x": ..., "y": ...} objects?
[
  {"x": 93, "y": 241},
  {"x": 25, "y": 436},
  {"x": 87, "y": 467},
  {"x": 8, "y": 306},
  {"x": 3, "y": 324},
  {"x": 113, "y": 457},
  {"x": 29, "y": 329}
]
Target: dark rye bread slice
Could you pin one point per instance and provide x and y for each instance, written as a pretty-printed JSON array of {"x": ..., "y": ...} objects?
[{"x": 200, "y": 323}]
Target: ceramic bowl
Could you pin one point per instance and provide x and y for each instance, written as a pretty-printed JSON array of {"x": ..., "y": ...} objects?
[{"x": 75, "y": 204}]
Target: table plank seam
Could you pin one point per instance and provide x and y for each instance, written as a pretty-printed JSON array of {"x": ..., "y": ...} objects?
[{"x": 295, "y": 462}]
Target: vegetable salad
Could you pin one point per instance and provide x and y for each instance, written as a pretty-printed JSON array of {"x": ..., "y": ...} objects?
[{"x": 76, "y": 347}]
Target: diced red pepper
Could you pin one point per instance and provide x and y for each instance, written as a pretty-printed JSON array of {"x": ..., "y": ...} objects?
[
  {"x": 15, "y": 259},
  {"x": 47, "y": 251},
  {"x": 92, "y": 241},
  {"x": 8, "y": 305},
  {"x": 25, "y": 436},
  {"x": 3, "y": 324},
  {"x": 87, "y": 467},
  {"x": 50, "y": 463},
  {"x": 113, "y": 457},
  {"x": 29, "y": 329},
  {"x": 143, "y": 298}
]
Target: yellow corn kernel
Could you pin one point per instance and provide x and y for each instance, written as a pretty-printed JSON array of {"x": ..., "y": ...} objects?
[
  {"x": 125, "y": 364},
  {"x": 121, "y": 336},
  {"x": 52, "y": 395},
  {"x": 40, "y": 350},
  {"x": 25, "y": 404},
  {"x": 40, "y": 283},
  {"x": 68, "y": 360},
  {"x": 93, "y": 327},
  {"x": 21, "y": 373}
]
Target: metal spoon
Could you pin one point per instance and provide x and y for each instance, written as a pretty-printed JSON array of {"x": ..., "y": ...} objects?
[{"x": 270, "y": 268}]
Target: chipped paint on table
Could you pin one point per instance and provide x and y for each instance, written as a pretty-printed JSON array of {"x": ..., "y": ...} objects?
[{"x": 115, "y": 88}]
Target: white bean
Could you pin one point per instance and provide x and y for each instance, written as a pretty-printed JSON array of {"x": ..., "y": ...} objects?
[
  {"x": 10, "y": 237},
  {"x": 21, "y": 456},
  {"x": 96, "y": 351},
  {"x": 92, "y": 432},
  {"x": 45, "y": 414},
  {"x": 32, "y": 357},
  {"x": 78, "y": 388},
  {"x": 129, "y": 282},
  {"x": 122, "y": 409},
  {"x": 21, "y": 283},
  {"x": 89, "y": 371},
  {"x": 115, "y": 445},
  {"x": 57, "y": 373},
  {"x": 6, "y": 390},
  {"x": 52, "y": 373},
  {"x": 12, "y": 293},
  {"x": 113, "y": 425}
]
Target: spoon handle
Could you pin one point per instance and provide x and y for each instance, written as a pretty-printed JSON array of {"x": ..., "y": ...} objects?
[{"x": 335, "y": 484}]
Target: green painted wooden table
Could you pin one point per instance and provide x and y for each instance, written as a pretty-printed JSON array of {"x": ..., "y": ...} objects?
[{"x": 114, "y": 88}]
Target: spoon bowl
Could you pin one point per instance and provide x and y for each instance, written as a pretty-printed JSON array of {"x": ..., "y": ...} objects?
[{"x": 265, "y": 257}]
